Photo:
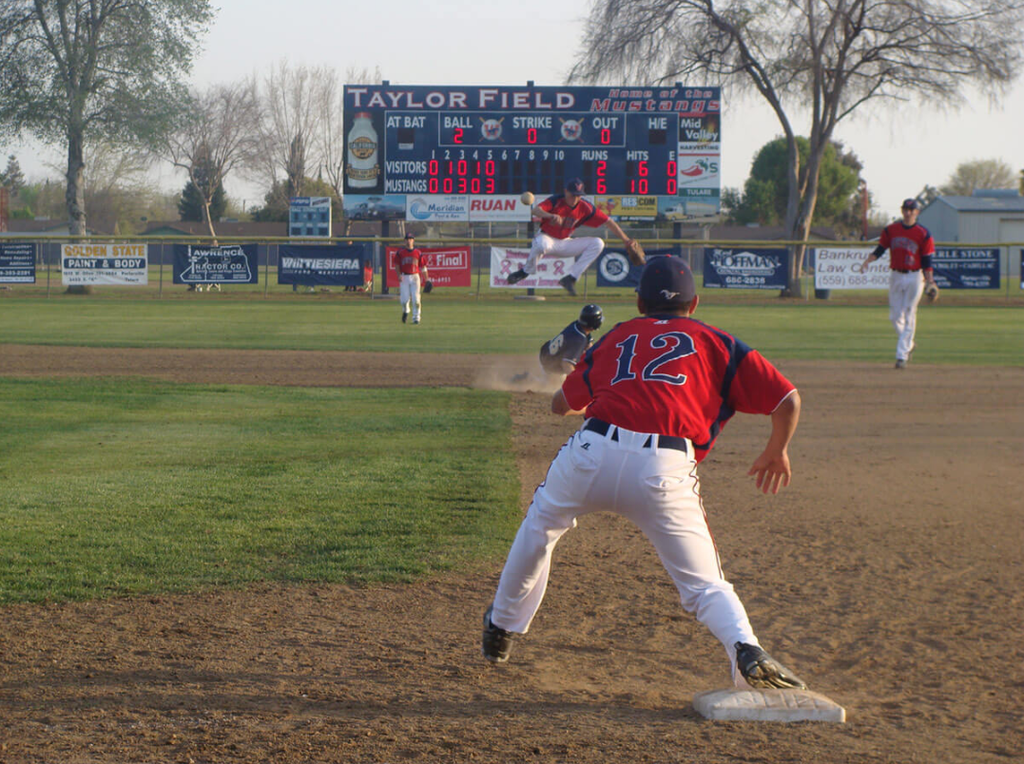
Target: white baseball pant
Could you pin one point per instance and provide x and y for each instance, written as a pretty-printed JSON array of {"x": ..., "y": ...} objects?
[
  {"x": 409, "y": 291},
  {"x": 586, "y": 249},
  {"x": 655, "y": 488},
  {"x": 905, "y": 290}
]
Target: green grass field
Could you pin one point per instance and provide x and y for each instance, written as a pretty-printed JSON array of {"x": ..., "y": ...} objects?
[
  {"x": 451, "y": 324},
  {"x": 118, "y": 487}
]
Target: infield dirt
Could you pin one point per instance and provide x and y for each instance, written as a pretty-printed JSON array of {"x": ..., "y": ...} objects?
[{"x": 889, "y": 576}]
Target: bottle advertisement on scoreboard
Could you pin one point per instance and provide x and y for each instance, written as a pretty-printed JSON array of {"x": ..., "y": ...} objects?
[{"x": 656, "y": 150}]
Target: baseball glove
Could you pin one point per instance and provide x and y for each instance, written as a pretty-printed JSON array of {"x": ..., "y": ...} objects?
[
  {"x": 931, "y": 292},
  {"x": 635, "y": 252},
  {"x": 428, "y": 287}
]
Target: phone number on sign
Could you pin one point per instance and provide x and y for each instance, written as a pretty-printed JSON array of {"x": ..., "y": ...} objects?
[{"x": 852, "y": 280}]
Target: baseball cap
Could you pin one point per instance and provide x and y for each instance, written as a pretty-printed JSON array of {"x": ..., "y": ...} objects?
[
  {"x": 575, "y": 186},
  {"x": 410, "y": 235},
  {"x": 910, "y": 204},
  {"x": 667, "y": 281}
]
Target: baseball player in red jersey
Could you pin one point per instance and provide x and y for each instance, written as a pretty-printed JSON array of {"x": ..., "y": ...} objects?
[
  {"x": 656, "y": 392},
  {"x": 910, "y": 248},
  {"x": 409, "y": 263},
  {"x": 560, "y": 216}
]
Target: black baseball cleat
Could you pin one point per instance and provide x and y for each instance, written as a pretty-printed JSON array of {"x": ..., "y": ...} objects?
[
  {"x": 764, "y": 672},
  {"x": 900, "y": 363},
  {"x": 516, "y": 276},
  {"x": 405, "y": 317},
  {"x": 569, "y": 283},
  {"x": 497, "y": 643}
]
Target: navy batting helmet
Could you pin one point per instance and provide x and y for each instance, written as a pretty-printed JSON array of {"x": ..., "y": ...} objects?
[{"x": 591, "y": 316}]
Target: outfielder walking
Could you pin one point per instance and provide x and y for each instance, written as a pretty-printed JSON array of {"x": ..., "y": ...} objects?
[
  {"x": 409, "y": 263},
  {"x": 910, "y": 248},
  {"x": 656, "y": 391},
  {"x": 560, "y": 216}
]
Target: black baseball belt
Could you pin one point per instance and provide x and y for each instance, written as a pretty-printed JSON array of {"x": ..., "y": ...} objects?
[{"x": 659, "y": 441}]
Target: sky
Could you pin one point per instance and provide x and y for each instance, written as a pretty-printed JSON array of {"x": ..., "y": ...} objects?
[{"x": 903, "y": 146}]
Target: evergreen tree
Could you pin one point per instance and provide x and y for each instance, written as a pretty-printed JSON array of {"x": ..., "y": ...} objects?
[
  {"x": 190, "y": 204},
  {"x": 13, "y": 177}
]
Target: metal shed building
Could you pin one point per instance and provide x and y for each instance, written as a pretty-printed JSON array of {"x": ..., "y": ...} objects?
[{"x": 987, "y": 217}]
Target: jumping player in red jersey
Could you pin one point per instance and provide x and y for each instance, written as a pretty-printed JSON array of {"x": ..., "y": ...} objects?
[
  {"x": 410, "y": 263},
  {"x": 656, "y": 391},
  {"x": 560, "y": 216},
  {"x": 911, "y": 249}
]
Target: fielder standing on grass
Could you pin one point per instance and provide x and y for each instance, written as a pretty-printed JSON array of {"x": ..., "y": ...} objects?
[
  {"x": 656, "y": 391},
  {"x": 410, "y": 264},
  {"x": 560, "y": 216},
  {"x": 911, "y": 249}
]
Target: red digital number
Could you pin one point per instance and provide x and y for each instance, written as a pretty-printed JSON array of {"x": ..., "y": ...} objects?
[
  {"x": 671, "y": 169},
  {"x": 490, "y": 186},
  {"x": 642, "y": 168},
  {"x": 462, "y": 185},
  {"x": 531, "y": 135},
  {"x": 433, "y": 167},
  {"x": 463, "y": 167},
  {"x": 448, "y": 185},
  {"x": 432, "y": 185},
  {"x": 489, "y": 167},
  {"x": 601, "y": 186},
  {"x": 671, "y": 186},
  {"x": 458, "y": 135},
  {"x": 474, "y": 186},
  {"x": 606, "y": 135},
  {"x": 602, "y": 168}
]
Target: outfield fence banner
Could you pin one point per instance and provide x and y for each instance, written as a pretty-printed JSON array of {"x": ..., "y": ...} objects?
[
  {"x": 17, "y": 263},
  {"x": 550, "y": 269},
  {"x": 104, "y": 264},
  {"x": 446, "y": 266},
  {"x": 740, "y": 268},
  {"x": 839, "y": 268},
  {"x": 324, "y": 264},
  {"x": 1021, "y": 267},
  {"x": 615, "y": 270},
  {"x": 966, "y": 268},
  {"x": 231, "y": 264}
]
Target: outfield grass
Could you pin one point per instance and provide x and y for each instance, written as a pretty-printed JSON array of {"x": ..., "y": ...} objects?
[
  {"x": 117, "y": 487},
  {"x": 791, "y": 330}
]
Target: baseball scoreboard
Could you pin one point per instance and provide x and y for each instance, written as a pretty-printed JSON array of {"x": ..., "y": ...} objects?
[{"x": 657, "y": 146}]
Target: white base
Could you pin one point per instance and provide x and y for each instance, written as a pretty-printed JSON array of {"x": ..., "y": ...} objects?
[{"x": 737, "y": 704}]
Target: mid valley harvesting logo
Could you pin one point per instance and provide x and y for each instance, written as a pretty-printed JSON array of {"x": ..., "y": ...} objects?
[{"x": 699, "y": 169}]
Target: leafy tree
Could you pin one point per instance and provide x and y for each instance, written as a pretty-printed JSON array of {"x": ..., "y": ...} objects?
[
  {"x": 72, "y": 71},
  {"x": 12, "y": 176},
  {"x": 979, "y": 173},
  {"x": 827, "y": 59},
  {"x": 766, "y": 191}
]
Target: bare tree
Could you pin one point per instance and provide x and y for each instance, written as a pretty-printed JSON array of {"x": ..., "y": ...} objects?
[
  {"x": 980, "y": 173},
  {"x": 290, "y": 114},
  {"x": 828, "y": 57},
  {"x": 219, "y": 133}
]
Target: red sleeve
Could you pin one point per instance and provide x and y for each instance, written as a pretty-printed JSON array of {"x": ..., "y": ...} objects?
[
  {"x": 884, "y": 240},
  {"x": 598, "y": 219},
  {"x": 575, "y": 389},
  {"x": 758, "y": 387},
  {"x": 547, "y": 205},
  {"x": 929, "y": 245}
]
